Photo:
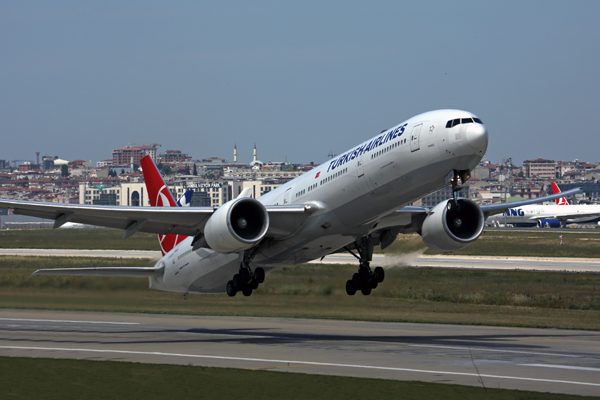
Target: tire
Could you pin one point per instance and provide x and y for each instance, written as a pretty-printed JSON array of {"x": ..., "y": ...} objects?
[
  {"x": 259, "y": 275},
  {"x": 238, "y": 282},
  {"x": 379, "y": 274},
  {"x": 374, "y": 284},
  {"x": 254, "y": 285},
  {"x": 247, "y": 291},
  {"x": 357, "y": 281},
  {"x": 366, "y": 291},
  {"x": 350, "y": 288},
  {"x": 230, "y": 288},
  {"x": 244, "y": 274}
]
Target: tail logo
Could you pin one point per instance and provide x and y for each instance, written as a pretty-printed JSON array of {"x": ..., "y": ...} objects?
[{"x": 163, "y": 197}]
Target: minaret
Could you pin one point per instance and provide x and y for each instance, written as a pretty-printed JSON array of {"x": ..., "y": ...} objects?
[
  {"x": 254, "y": 152},
  {"x": 235, "y": 153}
]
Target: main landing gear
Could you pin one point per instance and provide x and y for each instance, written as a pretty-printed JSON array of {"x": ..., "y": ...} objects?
[
  {"x": 364, "y": 280},
  {"x": 246, "y": 280}
]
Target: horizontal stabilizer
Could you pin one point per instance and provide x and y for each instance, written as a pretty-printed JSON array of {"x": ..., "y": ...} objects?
[{"x": 131, "y": 272}]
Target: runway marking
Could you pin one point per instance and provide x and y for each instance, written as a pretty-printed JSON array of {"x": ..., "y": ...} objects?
[
  {"x": 156, "y": 353},
  {"x": 69, "y": 321},
  {"x": 493, "y": 350},
  {"x": 561, "y": 367}
]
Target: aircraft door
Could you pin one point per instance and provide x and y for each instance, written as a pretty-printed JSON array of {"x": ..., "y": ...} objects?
[
  {"x": 286, "y": 196},
  {"x": 414, "y": 138},
  {"x": 360, "y": 169}
]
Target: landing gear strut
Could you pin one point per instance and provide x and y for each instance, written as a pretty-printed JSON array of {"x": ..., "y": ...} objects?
[
  {"x": 365, "y": 279},
  {"x": 246, "y": 280},
  {"x": 457, "y": 180}
]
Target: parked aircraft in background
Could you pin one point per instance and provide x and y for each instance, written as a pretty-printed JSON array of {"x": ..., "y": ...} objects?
[
  {"x": 559, "y": 202},
  {"x": 351, "y": 203},
  {"x": 554, "y": 216}
]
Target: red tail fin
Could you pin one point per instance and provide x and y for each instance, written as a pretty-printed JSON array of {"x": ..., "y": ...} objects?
[
  {"x": 159, "y": 196},
  {"x": 562, "y": 201}
]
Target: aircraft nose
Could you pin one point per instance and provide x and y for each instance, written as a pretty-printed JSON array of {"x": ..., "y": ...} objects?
[{"x": 477, "y": 136}]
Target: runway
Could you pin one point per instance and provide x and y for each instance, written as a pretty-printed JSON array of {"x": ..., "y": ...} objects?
[
  {"x": 475, "y": 262},
  {"x": 415, "y": 260},
  {"x": 519, "y": 358}
]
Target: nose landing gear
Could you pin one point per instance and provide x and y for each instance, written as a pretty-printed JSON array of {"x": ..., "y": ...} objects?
[{"x": 365, "y": 279}]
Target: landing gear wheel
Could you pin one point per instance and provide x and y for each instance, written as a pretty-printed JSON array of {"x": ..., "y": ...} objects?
[
  {"x": 259, "y": 275},
  {"x": 230, "y": 288},
  {"x": 356, "y": 280},
  {"x": 379, "y": 274},
  {"x": 350, "y": 288},
  {"x": 238, "y": 281},
  {"x": 247, "y": 291},
  {"x": 366, "y": 291}
]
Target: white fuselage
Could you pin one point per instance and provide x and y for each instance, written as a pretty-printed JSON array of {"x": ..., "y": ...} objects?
[
  {"x": 351, "y": 193},
  {"x": 530, "y": 215}
]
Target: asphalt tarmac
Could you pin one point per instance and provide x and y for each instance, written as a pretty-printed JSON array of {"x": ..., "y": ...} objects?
[{"x": 545, "y": 360}]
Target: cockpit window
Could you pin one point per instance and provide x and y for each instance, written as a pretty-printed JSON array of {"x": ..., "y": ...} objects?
[{"x": 458, "y": 121}]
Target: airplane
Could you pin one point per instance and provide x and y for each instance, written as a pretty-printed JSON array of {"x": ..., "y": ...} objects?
[
  {"x": 553, "y": 216},
  {"x": 353, "y": 202}
]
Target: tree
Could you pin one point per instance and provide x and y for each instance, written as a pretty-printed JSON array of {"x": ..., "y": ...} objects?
[
  {"x": 195, "y": 170},
  {"x": 187, "y": 170},
  {"x": 64, "y": 170}
]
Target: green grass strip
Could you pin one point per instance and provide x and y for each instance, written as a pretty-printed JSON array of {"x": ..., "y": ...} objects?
[{"x": 41, "y": 378}]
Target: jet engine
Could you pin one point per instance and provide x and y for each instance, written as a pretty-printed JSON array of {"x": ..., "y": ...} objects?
[
  {"x": 451, "y": 226},
  {"x": 236, "y": 226},
  {"x": 548, "y": 223}
]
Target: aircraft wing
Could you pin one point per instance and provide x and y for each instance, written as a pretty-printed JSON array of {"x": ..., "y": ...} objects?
[
  {"x": 497, "y": 208},
  {"x": 187, "y": 221},
  {"x": 409, "y": 219}
]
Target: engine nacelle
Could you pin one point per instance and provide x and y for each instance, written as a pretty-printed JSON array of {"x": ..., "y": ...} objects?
[
  {"x": 450, "y": 227},
  {"x": 548, "y": 223},
  {"x": 236, "y": 226}
]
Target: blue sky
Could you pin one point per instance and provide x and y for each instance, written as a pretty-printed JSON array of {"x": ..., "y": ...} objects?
[{"x": 78, "y": 79}]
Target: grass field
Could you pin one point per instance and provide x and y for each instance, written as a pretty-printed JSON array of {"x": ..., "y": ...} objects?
[
  {"x": 508, "y": 243},
  {"x": 491, "y": 243},
  {"x": 436, "y": 295},
  {"x": 40, "y": 378}
]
